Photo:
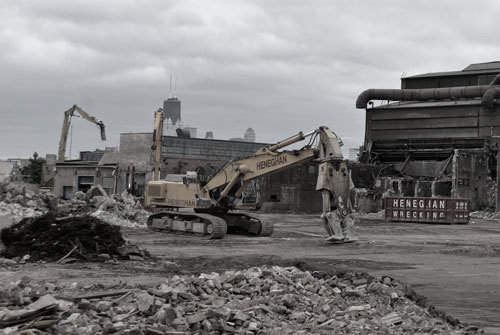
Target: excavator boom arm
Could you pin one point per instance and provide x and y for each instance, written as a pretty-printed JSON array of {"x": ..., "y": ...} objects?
[
  {"x": 99, "y": 123},
  {"x": 260, "y": 166},
  {"x": 65, "y": 128},
  {"x": 268, "y": 160},
  {"x": 157, "y": 143}
]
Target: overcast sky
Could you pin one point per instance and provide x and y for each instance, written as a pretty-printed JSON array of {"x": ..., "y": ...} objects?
[{"x": 276, "y": 66}]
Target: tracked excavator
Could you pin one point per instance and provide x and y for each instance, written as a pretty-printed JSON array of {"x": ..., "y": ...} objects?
[
  {"x": 214, "y": 198},
  {"x": 66, "y": 123}
]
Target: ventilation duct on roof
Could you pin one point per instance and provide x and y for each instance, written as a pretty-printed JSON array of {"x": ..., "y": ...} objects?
[
  {"x": 488, "y": 93},
  {"x": 424, "y": 94}
]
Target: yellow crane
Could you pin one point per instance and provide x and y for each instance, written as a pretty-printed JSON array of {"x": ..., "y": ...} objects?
[
  {"x": 156, "y": 145},
  {"x": 66, "y": 123}
]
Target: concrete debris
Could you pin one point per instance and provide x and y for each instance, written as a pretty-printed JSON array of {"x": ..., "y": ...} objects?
[
  {"x": 380, "y": 215},
  {"x": 14, "y": 212},
  {"x": 392, "y": 319},
  {"x": 17, "y": 203},
  {"x": 493, "y": 216},
  {"x": 7, "y": 261},
  {"x": 115, "y": 218},
  {"x": 234, "y": 302},
  {"x": 48, "y": 300}
]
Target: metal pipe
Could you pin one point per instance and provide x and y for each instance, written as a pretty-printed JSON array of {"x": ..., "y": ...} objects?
[
  {"x": 242, "y": 188},
  {"x": 421, "y": 94},
  {"x": 489, "y": 96},
  {"x": 495, "y": 80},
  {"x": 234, "y": 180},
  {"x": 299, "y": 137}
]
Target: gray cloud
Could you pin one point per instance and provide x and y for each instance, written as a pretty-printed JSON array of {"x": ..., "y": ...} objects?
[{"x": 276, "y": 66}]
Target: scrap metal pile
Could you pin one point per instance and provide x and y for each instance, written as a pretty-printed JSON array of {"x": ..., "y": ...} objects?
[
  {"x": 51, "y": 238},
  {"x": 259, "y": 300}
]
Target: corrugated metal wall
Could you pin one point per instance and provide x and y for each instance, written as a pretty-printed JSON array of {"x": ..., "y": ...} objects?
[
  {"x": 175, "y": 147},
  {"x": 446, "y": 120}
]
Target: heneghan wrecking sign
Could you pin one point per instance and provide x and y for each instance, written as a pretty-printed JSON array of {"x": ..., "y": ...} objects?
[{"x": 432, "y": 210}]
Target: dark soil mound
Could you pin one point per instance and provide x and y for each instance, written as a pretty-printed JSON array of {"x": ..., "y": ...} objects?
[{"x": 51, "y": 238}]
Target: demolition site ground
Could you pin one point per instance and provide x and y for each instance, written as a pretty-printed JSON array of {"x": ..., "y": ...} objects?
[{"x": 454, "y": 266}]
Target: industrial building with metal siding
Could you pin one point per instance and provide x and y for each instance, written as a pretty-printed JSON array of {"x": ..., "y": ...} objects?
[{"x": 440, "y": 138}]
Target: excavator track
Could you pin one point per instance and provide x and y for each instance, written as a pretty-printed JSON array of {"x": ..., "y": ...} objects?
[
  {"x": 248, "y": 224},
  {"x": 205, "y": 225},
  {"x": 267, "y": 228}
]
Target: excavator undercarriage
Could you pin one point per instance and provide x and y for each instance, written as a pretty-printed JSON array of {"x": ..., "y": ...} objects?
[
  {"x": 211, "y": 226},
  {"x": 198, "y": 224}
]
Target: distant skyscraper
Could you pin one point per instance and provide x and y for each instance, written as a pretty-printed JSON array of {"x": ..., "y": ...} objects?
[
  {"x": 172, "y": 109},
  {"x": 249, "y": 135},
  {"x": 353, "y": 154},
  {"x": 192, "y": 131}
]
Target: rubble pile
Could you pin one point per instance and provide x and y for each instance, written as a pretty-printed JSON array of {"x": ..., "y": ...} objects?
[
  {"x": 121, "y": 209},
  {"x": 51, "y": 238},
  {"x": 19, "y": 202},
  {"x": 17, "y": 211},
  {"x": 266, "y": 300},
  {"x": 485, "y": 215}
]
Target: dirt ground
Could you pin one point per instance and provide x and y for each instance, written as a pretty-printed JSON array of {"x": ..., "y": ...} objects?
[{"x": 455, "y": 266}]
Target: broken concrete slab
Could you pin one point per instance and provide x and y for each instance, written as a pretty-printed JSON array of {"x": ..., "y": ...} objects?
[{"x": 48, "y": 300}]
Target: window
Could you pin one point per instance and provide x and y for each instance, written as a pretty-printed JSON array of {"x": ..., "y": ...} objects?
[
  {"x": 85, "y": 182},
  {"x": 485, "y": 79},
  {"x": 274, "y": 197},
  {"x": 67, "y": 192}
]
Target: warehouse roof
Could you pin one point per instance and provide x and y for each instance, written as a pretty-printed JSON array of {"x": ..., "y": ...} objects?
[{"x": 477, "y": 68}]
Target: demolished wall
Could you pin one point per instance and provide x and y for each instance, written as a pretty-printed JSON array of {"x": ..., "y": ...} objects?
[
  {"x": 18, "y": 201},
  {"x": 470, "y": 178},
  {"x": 72, "y": 177},
  {"x": 465, "y": 174}
]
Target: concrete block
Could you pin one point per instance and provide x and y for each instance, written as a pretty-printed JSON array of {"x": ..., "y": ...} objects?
[{"x": 198, "y": 317}]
